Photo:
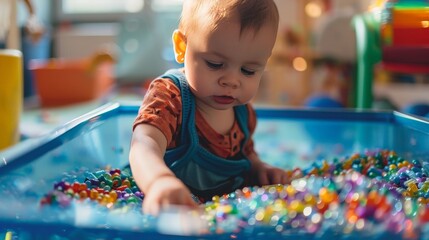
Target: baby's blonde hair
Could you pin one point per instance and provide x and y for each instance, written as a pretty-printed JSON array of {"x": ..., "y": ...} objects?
[{"x": 252, "y": 14}]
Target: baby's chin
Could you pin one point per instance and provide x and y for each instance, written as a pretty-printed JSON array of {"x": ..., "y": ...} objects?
[
  {"x": 222, "y": 107},
  {"x": 235, "y": 104}
]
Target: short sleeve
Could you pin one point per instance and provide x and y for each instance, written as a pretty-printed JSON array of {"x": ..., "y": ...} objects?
[
  {"x": 161, "y": 108},
  {"x": 249, "y": 147}
]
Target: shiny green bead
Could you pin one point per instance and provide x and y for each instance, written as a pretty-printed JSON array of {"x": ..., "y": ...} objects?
[{"x": 132, "y": 199}]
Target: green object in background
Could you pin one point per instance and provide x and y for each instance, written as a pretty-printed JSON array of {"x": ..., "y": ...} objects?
[
  {"x": 373, "y": 32},
  {"x": 368, "y": 53}
]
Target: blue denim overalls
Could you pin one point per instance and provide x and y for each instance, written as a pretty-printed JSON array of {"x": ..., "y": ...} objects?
[{"x": 204, "y": 173}]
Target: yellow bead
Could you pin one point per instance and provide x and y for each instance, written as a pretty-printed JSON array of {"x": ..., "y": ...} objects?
[
  {"x": 325, "y": 166},
  {"x": 93, "y": 194},
  {"x": 225, "y": 208},
  {"x": 279, "y": 205},
  {"x": 296, "y": 206},
  {"x": 327, "y": 196},
  {"x": 215, "y": 199},
  {"x": 310, "y": 199},
  {"x": 413, "y": 188},
  {"x": 425, "y": 186},
  {"x": 126, "y": 182},
  {"x": 113, "y": 195},
  {"x": 406, "y": 194},
  {"x": 290, "y": 191},
  {"x": 313, "y": 171}
]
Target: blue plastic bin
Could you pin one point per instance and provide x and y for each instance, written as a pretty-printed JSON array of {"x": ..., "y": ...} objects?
[{"x": 287, "y": 138}]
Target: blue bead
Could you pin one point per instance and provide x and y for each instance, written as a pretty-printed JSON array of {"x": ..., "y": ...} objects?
[
  {"x": 99, "y": 173},
  {"x": 411, "y": 174},
  {"x": 88, "y": 183},
  {"x": 416, "y": 163},
  {"x": 426, "y": 167},
  {"x": 397, "y": 180},
  {"x": 90, "y": 175}
]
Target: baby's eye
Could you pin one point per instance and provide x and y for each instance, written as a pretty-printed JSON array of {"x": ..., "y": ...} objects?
[
  {"x": 247, "y": 72},
  {"x": 214, "y": 65}
]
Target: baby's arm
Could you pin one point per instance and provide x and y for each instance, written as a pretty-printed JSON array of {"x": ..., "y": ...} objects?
[
  {"x": 154, "y": 178},
  {"x": 267, "y": 174}
]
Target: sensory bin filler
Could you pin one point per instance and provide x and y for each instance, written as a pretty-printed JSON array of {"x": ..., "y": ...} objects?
[{"x": 356, "y": 174}]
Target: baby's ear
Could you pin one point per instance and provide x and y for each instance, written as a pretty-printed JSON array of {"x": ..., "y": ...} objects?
[{"x": 179, "y": 44}]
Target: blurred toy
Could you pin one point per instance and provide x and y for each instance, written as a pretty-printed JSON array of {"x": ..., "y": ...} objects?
[
  {"x": 405, "y": 23},
  {"x": 387, "y": 36},
  {"x": 322, "y": 101},
  {"x": 61, "y": 82},
  {"x": 419, "y": 109}
]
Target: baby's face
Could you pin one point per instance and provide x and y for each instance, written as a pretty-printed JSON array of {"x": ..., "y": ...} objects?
[{"x": 224, "y": 68}]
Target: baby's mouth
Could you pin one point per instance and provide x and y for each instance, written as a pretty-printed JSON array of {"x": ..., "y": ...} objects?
[{"x": 224, "y": 99}]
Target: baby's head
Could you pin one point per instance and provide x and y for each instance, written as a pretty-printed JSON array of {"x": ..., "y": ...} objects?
[
  {"x": 225, "y": 45},
  {"x": 208, "y": 14}
]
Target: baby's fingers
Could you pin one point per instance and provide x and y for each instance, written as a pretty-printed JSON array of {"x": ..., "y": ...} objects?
[
  {"x": 190, "y": 202},
  {"x": 285, "y": 178},
  {"x": 275, "y": 178},
  {"x": 263, "y": 179},
  {"x": 150, "y": 207}
]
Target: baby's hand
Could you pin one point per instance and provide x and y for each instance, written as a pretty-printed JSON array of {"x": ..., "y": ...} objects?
[
  {"x": 166, "y": 191},
  {"x": 268, "y": 175}
]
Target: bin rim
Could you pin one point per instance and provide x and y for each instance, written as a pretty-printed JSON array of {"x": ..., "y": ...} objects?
[{"x": 28, "y": 150}]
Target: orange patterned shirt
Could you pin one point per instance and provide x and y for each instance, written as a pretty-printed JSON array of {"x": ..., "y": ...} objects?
[{"x": 162, "y": 108}]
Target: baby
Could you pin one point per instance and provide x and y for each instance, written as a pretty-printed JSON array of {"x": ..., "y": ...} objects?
[{"x": 193, "y": 132}]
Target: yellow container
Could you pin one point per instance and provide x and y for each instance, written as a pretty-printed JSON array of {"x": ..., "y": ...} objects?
[{"x": 10, "y": 96}]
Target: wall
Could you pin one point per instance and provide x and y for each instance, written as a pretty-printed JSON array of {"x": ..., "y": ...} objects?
[{"x": 289, "y": 12}]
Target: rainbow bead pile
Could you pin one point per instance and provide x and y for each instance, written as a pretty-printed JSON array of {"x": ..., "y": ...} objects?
[
  {"x": 111, "y": 188},
  {"x": 376, "y": 192}
]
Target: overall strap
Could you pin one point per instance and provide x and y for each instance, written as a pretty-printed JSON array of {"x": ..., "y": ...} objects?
[
  {"x": 188, "y": 135},
  {"x": 188, "y": 101},
  {"x": 242, "y": 115}
]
